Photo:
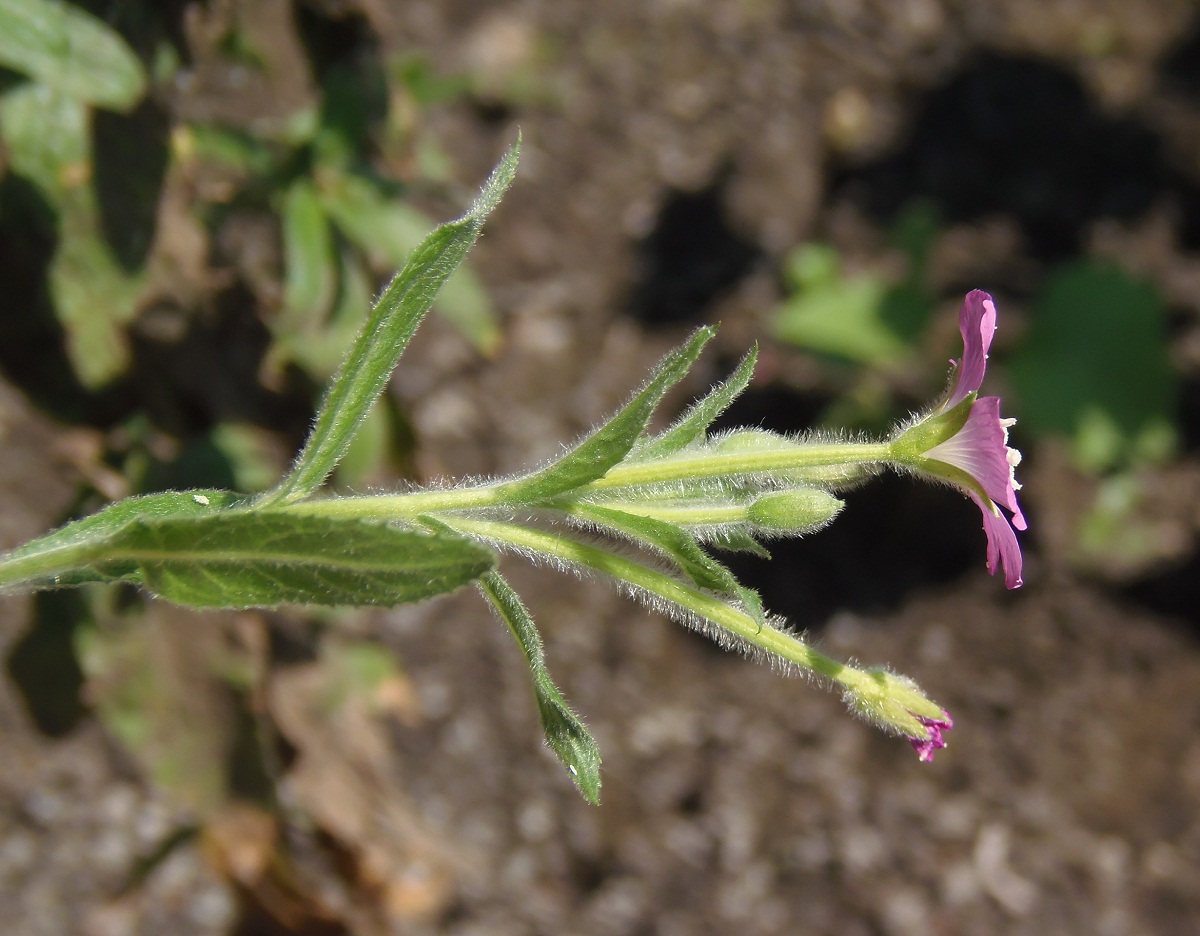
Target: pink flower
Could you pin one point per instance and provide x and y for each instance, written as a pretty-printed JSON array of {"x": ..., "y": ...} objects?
[
  {"x": 925, "y": 747},
  {"x": 975, "y": 456}
]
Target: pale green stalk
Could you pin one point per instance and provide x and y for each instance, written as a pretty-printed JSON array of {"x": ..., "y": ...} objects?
[
  {"x": 707, "y": 465},
  {"x": 728, "y": 463},
  {"x": 890, "y": 700},
  {"x": 689, "y": 598}
]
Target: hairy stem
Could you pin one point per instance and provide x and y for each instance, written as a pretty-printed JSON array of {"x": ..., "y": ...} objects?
[
  {"x": 685, "y": 467},
  {"x": 680, "y": 594}
]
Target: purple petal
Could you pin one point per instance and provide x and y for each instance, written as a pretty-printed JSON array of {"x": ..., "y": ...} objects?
[
  {"x": 925, "y": 747},
  {"x": 980, "y": 448},
  {"x": 977, "y": 323},
  {"x": 1002, "y": 546}
]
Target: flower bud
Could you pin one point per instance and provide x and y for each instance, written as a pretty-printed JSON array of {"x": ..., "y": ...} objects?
[
  {"x": 896, "y": 703},
  {"x": 797, "y": 510}
]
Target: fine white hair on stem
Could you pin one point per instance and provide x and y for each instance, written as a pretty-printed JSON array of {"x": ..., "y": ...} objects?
[{"x": 657, "y": 603}]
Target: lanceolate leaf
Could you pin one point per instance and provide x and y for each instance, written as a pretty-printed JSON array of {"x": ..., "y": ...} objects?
[
  {"x": 679, "y": 546},
  {"x": 242, "y": 559},
  {"x": 386, "y": 334},
  {"x": 72, "y": 554},
  {"x": 694, "y": 423},
  {"x": 565, "y": 733},
  {"x": 387, "y": 230},
  {"x": 62, "y": 46},
  {"x": 665, "y": 538},
  {"x": 738, "y": 541},
  {"x": 610, "y": 443}
]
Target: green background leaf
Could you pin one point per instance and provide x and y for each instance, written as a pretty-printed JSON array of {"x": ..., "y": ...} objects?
[
  {"x": 47, "y": 135},
  {"x": 70, "y": 50},
  {"x": 1095, "y": 352},
  {"x": 388, "y": 230}
]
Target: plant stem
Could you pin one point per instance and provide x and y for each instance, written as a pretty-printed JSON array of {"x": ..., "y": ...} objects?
[
  {"x": 686, "y": 597},
  {"x": 407, "y": 505},
  {"x": 720, "y": 464}
]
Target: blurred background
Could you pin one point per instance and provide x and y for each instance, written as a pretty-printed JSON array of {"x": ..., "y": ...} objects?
[{"x": 198, "y": 202}]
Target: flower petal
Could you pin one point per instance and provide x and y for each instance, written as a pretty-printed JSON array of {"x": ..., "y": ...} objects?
[
  {"x": 1002, "y": 546},
  {"x": 925, "y": 747},
  {"x": 980, "y": 448},
  {"x": 977, "y": 323}
]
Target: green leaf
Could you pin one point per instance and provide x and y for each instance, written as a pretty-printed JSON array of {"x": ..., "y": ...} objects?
[
  {"x": 310, "y": 269},
  {"x": 694, "y": 422},
  {"x": 1096, "y": 347},
  {"x": 320, "y": 346},
  {"x": 678, "y": 545},
  {"x": 70, "y": 50},
  {"x": 233, "y": 151},
  {"x": 834, "y": 313},
  {"x": 739, "y": 541},
  {"x": 565, "y": 732},
  {"x": 667, "y": 539},
  {"x": 611, "y": 442},
  {"x": 387, "y": 230},
  {"x": 72, "y": 554},
  {"x": 368, "y": 460},
  {"x": 386, "y": 334},
  {"x": 247, "y": 558},
  {"x": 94, "y": 297},
  {"x": 46, "y": 138}
]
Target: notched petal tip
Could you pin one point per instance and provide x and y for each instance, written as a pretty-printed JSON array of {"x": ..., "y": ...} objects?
[
  {"x": 1002, "y": 546},
  {"x": 977, "y": 324}
]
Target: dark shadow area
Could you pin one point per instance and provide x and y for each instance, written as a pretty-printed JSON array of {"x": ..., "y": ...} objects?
[
  {"x": 344, "y": 55},
  {"x": 293, "y": 640},
  {"x": 33, "y": 354},
  {"x": 131, "y": 152},
  {"x": 895, "y": 536},
  {"x": 1189, "y": 414},
  {"x": 144, "y": 25},
  {"x": 259, "y": 914},
  {"x": 258, "y": 755},
  {"x": 199, "y": 464},
  {"x": 1020, "y": 137},
  {"x": 42, "y": 664},
  {"x": 1179, "y": 75},
  {"x": 1173, "y": 592},
  {"x": 1179, "y": 69},
  {"x": 209, "y": 374},
  {"x": 688, "y": 260}
]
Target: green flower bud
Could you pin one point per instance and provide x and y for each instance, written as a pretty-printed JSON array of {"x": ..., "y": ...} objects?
[
  {"x": 897, "y": 704},
  {"x": 797, "y": 510},
  {"x": 752, "y": 440}
]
